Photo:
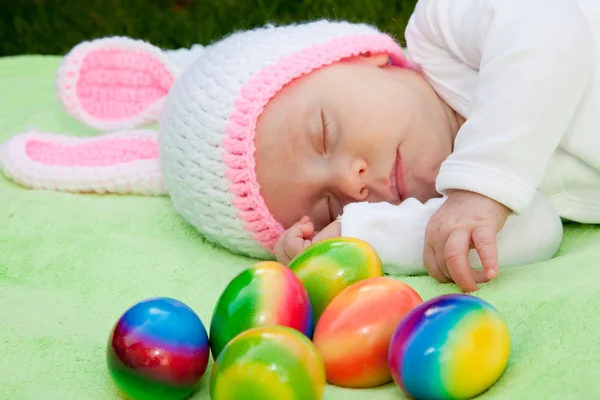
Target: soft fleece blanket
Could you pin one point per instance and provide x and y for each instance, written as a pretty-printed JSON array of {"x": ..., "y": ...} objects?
[{"x": 70, "y": 265}]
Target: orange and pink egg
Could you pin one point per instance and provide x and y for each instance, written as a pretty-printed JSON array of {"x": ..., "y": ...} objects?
[{"x": 354, "y": 331}]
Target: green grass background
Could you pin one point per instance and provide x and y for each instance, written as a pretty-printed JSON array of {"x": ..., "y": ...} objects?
[{"x": 55, "y": 26}]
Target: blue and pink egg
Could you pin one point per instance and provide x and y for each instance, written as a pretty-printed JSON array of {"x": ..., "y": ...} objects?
[
  {"x": 158, "y": 349},
  {"x": 450, "y": 347}
]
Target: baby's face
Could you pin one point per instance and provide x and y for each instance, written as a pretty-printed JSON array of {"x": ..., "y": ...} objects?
[{"x": 359, "y": 130}]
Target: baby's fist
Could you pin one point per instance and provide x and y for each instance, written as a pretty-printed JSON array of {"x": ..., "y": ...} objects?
[
  {"x": 294, "y": 240},
  {"x": 301, "y": 235}
]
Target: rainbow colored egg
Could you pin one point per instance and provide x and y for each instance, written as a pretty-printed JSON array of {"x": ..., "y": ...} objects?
[
  {"x": 268, "y": 363},
  {"x": 450, "y": 347},
  {"x": 158, "y": 349},
  {"x": 329, "y": 266},
  {"x": 268, "y": 293},
  {"x": 354, "y": 332}
]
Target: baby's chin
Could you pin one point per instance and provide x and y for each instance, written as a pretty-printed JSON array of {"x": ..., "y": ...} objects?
[{"x": 423, "y": 193}]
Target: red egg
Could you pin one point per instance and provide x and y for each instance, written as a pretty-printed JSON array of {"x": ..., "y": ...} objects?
[{"x": 354, "y": 332}]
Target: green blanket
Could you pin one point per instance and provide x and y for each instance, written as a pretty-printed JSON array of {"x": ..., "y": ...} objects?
[{"x": 70, "y": 265}]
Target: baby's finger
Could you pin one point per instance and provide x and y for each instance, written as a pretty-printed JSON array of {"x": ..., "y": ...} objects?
[
  {"x": 440, "y": 260},
  {"x": 303, "y": 229},
  {"x": 479, "y": 276},
  {"x": 292, "y": 242},
  {"x": 293, "y": 246},
  {"x": 435, "y": 258},
  {"x": 431, "y": 265},
  {"x": 280, "y": 253},
  {"x": 455, "y": 254},
  {"x": 484, "y": 240},
  {"x": 441, "y": 264},
  {"x": 306, "y": 218}
]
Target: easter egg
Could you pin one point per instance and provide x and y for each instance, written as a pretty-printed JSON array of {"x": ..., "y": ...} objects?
[
  {"x": 158, "y": 349},
  {"x": 450, "y": 347},
  {"x": 354, "y": 332},
  {"x": 268, "y": 363},
  {"x": 268, "y": 293},
  {"x": 329, "y": 266}
]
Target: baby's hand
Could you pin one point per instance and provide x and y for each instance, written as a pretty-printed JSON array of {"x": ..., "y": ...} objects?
[
  {"x": 466, "y": 220},
  {"x": 301, "y": 235},
  {"x": 294, "y": 240}
]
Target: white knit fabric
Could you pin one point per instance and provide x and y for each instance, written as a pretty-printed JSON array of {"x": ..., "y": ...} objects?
[
  {"x": 196, "y": 114},
  {"x": 184, "y": 57}
]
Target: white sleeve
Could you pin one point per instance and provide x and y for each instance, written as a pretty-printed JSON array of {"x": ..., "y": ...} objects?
[
  {"x": 397, "y": 233},
  {"x": 528, "y": 64}
]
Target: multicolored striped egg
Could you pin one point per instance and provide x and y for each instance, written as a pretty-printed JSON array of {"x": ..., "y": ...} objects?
[
  {"x": 329, "y": 266},
  {"x": 450, "y": 347},
  {"x": 354, "y": 332},
  {"x": 268, "y": 293},
  {"x": 158, "y": 349},
  {"x": 268, "y": 363}
]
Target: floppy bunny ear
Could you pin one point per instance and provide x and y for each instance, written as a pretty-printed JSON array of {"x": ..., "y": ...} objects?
[
  {"x": 124, "y": 162},
  {"x": 116, "y": 83}
]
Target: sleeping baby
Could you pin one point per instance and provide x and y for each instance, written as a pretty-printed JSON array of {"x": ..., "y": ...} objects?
[{"x": 454, "y": 161}]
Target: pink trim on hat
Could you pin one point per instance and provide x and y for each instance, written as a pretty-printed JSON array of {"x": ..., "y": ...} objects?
[{"x": 240, "y": 132}]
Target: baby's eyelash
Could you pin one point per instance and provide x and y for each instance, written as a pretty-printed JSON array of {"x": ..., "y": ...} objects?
[{"x": 325, "y": 123}]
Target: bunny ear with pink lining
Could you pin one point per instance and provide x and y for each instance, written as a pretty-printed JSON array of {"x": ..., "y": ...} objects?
[
  {"x": 115, "y": 83},
  {"x": 124, "y": 162}
]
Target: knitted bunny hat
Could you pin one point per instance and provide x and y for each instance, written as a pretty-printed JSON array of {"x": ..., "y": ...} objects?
[{"x": 208, "y": 101}]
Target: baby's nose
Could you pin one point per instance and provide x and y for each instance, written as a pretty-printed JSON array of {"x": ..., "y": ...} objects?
[{"x": 352, "y": 181}]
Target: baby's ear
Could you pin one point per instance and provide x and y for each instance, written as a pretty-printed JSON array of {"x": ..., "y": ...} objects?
[{"x": 124, "y": 162}]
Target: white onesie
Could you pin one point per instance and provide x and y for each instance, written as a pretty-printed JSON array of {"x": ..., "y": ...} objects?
[{"x": 526, "y": 76}]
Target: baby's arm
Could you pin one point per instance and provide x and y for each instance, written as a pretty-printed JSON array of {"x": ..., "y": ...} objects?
[
  {"x": 397, "y": 233},
  {"x": 528, "y": 64}
]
